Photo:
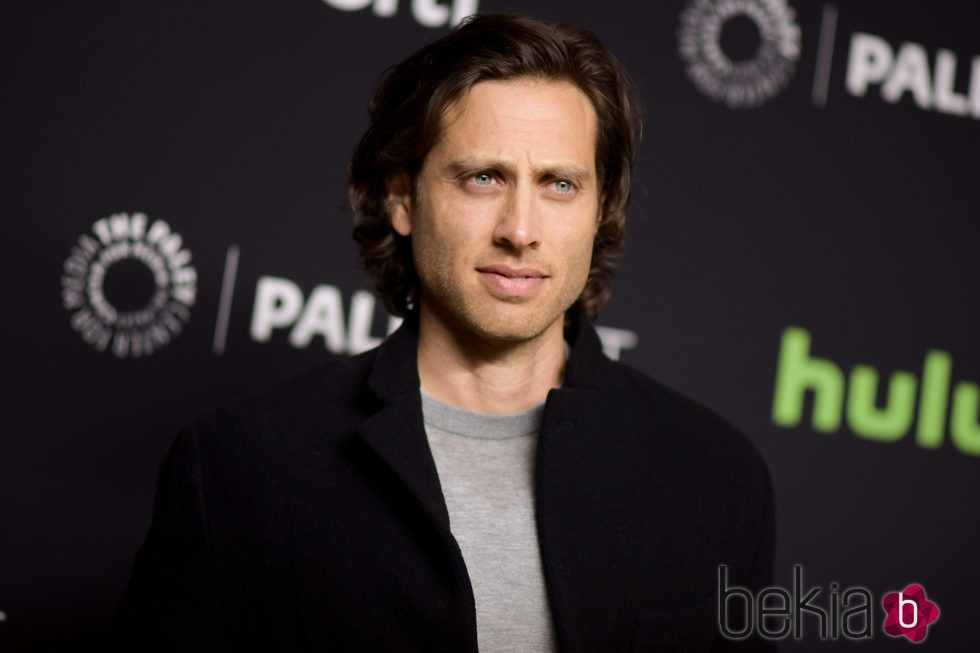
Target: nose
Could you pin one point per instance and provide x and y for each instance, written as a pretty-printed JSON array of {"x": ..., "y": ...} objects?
[{"x": 518, "y": 222}]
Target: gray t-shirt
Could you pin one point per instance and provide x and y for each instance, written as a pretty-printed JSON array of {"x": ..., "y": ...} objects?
[{"x": 486, "y": 468}]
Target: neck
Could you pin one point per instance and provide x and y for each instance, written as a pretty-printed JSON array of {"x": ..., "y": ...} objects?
[{"x": 488, "y": 376}]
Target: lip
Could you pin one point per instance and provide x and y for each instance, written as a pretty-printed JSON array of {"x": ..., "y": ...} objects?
[
  {"x": 507, "y": 271},
  {"x": 511, "y": 283}
]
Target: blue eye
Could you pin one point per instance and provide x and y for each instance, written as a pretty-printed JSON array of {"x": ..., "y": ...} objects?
[
  {"x": 564, "y": 186},
  {"x": 482, "y": 179}
]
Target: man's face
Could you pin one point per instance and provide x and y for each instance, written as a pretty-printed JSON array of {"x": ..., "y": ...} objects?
[{"x": 505, "y": 210}]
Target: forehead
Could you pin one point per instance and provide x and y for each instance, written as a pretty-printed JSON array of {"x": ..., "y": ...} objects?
[{"x": 521, "y": 117}]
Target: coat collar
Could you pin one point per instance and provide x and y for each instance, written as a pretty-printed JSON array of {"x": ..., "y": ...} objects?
[
  {"x": 397, "y": 432},
  {"x": 587, "y": 367},
  {"x": 395, "y": 370}
]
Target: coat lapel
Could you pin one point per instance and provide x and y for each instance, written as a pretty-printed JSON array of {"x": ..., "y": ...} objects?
[
  {"x": 584, "y": 499},
  {"x": 396, "y": 432}
]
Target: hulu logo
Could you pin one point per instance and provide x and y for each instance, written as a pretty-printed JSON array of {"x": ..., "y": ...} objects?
[{"x": 799, "y": 372}]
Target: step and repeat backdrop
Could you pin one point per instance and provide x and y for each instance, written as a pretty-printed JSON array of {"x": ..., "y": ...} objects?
[{"x": 802, "y": 256}]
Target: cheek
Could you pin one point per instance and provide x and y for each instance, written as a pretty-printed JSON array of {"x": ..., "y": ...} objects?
[
  {"x": 451, "y": 229},
  {"x": 583, "y": 264},
  {"x": 428, "y": 250},
  {"x": 440, "y": 245},
  {"x": 578, "y": 246}
]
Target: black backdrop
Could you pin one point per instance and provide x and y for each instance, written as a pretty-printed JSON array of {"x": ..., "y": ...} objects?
[{"x": 827, "y": 183}]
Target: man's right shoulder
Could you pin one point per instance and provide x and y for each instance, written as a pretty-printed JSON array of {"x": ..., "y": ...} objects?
[{"x": 329, "y": 399}]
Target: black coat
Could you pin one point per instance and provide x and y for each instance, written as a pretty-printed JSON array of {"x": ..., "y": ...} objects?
[{"x": 310, "y": 518}]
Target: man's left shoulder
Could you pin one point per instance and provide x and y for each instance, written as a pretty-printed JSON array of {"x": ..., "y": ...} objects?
[{"x": 658, "y": 413}]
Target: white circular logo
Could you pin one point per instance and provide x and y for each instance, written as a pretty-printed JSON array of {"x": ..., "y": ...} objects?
[
  {"x": 739, "y": 81},
  {"x": 130, "y": 288}
]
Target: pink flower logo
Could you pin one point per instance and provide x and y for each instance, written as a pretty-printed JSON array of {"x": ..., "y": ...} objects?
[{"x": 909, "y": 613}]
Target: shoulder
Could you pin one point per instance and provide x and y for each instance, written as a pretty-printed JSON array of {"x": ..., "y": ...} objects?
[
  {"x": 691, "y": 429},
  {"x": 674, "y": 462},
  {"x": 710, "y": 468},
  {"x": 333, "y": 393},
  {"x": 656, "y": 421}
]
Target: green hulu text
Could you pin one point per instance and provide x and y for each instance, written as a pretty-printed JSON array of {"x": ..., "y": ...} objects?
[{"x": 798, "y": 373}]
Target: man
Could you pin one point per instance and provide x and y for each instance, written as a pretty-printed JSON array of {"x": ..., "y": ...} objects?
[{"x": 485, "y": 479}]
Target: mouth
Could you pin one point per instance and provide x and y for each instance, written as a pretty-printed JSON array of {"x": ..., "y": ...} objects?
[
  {"x": 518, "y": 274},
  {"x": 511, "y": 283}
]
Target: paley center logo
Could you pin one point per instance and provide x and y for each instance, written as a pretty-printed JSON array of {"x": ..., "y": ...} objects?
[
  {"x": 846, "y": 614},
  {"x": 739, "y": 52},
  {"x": 129, "y": 285},
  {"x": 874, "y": 62}
]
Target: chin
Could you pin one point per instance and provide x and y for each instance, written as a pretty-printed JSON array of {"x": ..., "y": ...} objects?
[
  {"x": 512, "y": 326},
  {"x": 491, "y": 319}
]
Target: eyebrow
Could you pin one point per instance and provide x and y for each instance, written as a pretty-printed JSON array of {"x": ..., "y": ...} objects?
[{"x": 562, "y": 171}]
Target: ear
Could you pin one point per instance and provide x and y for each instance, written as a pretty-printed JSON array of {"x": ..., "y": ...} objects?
[{"x": 400, "y": 203}]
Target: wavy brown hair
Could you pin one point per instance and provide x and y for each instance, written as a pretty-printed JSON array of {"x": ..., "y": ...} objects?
[{"x": 406, "y": 113}]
